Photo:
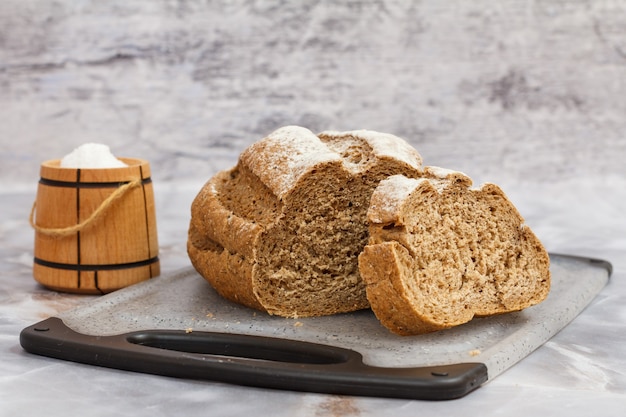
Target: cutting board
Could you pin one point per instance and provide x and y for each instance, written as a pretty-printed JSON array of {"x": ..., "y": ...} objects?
[{"x": 177, "y": 325}]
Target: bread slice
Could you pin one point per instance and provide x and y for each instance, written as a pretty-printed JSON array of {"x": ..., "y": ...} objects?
[
  {"x": 441, "y": 253},
  {"x": 282, "y": 231}
]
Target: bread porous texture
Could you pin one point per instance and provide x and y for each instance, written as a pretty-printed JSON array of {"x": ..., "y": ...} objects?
[
  {"x": 282, "y": 230},
  {"x": 441, "y": 253}
]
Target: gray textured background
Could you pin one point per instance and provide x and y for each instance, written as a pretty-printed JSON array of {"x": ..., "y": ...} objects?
[{"x": 509, "y": 92}]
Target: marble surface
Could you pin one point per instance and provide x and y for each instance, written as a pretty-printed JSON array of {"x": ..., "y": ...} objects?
[
  {"x": 526, "y": 94},
  {"x": 578, "y": 372}
]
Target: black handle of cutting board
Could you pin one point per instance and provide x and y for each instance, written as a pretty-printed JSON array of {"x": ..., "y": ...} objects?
[{"x": 251, "y": 360}]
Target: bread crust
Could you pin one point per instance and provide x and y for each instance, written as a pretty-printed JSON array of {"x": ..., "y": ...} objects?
[{"x": 387, "y": 294}]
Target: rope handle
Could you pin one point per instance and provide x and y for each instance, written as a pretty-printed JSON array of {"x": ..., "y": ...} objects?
[{"x": 95, "y": 216}]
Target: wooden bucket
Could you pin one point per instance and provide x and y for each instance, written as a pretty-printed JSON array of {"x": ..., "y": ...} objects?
[{"x": 95, "y": 229}]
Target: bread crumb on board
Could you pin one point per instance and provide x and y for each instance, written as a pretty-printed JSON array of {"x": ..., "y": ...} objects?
[{"x": 474, "y": 352}]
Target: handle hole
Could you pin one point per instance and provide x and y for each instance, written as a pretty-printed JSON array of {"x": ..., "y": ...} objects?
[{"x": 241, "y": 346}]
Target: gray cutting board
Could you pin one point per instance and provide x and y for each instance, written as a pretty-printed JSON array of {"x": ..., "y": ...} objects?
[{"x": 173, "y": 325}]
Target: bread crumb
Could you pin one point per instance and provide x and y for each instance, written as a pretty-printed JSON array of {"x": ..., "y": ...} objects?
[
  {"x": 188, "y": 330},
  {"x": 297, "y": 324},
  {"x": 474, "y": 352},
  {"x": 209, "y": 315}
]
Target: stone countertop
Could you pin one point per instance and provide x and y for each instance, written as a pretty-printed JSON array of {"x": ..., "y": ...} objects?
[{"x": 579, "y": 372}]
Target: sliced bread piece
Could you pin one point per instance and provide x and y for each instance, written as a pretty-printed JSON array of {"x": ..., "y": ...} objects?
[
  {"x": 441, "y": 253},
  {"x": 281, "y": 231}
]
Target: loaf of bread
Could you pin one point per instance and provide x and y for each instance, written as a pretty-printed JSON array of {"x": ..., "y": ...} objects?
[
  {"x": 310, "y": 225},
  {"x": 282, "y": 231},
  {"x": 441, "y": 253}
]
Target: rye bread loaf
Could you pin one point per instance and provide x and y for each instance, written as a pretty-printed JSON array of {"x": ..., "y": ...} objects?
[
  {"x": 440, "y": 253},
  {"x": 282, "y": 230}
]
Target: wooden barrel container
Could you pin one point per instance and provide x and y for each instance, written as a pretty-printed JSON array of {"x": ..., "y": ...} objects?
[{"x": 95, "y": 229}]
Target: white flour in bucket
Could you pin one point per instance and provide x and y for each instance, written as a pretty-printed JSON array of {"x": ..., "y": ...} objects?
[{"x": 91, "y": 155}]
